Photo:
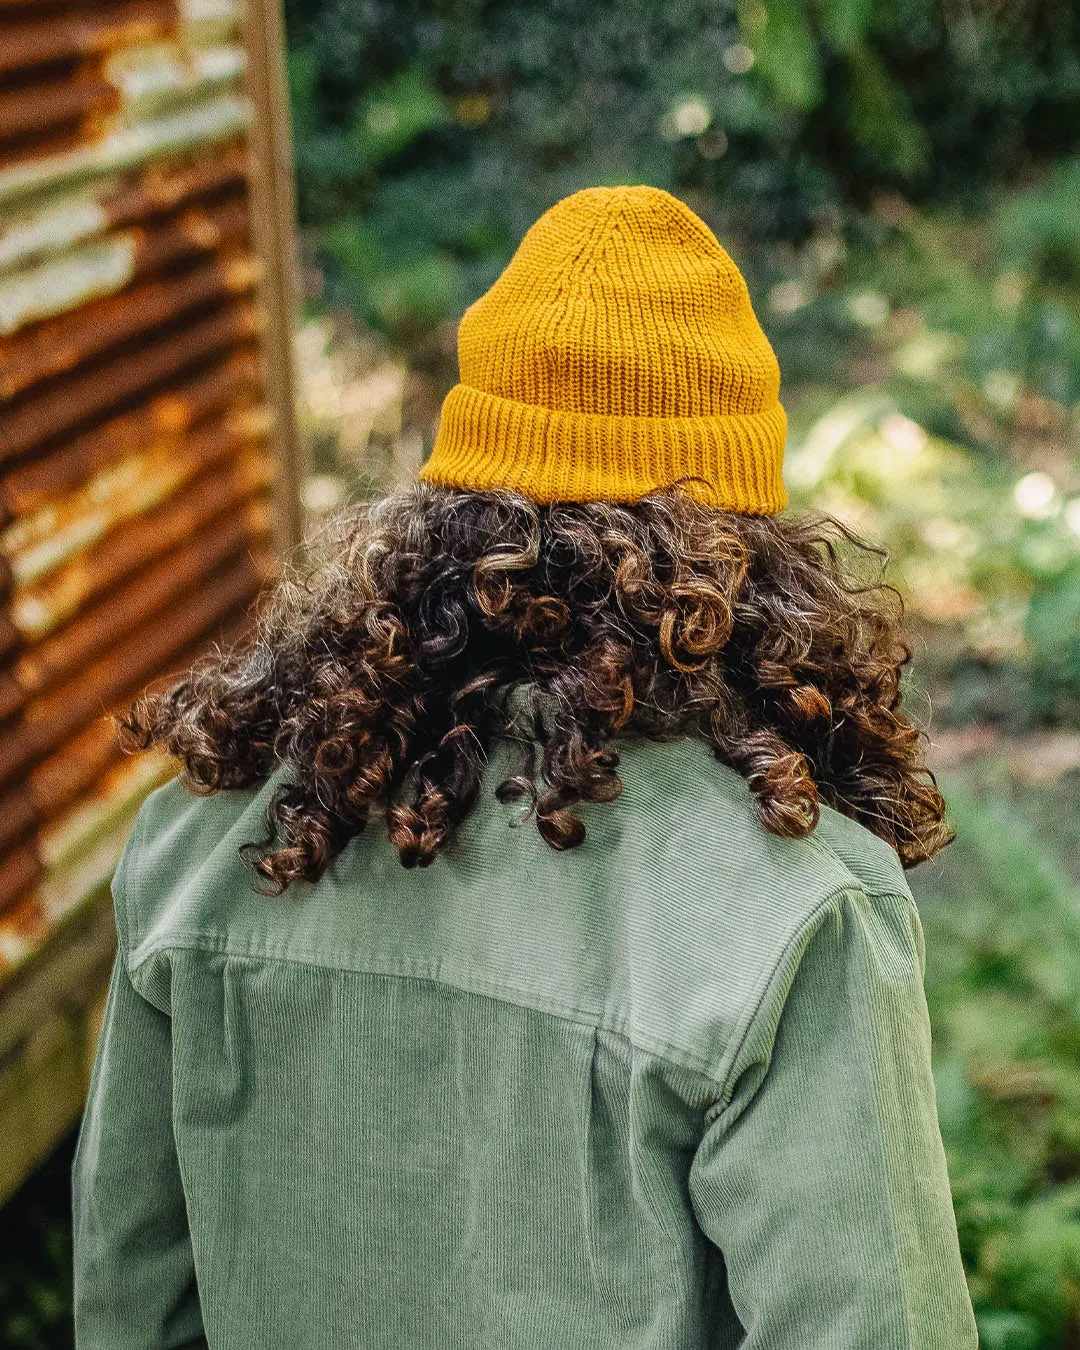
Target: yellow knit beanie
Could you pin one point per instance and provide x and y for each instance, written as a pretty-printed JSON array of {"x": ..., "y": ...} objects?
[{"x": 616, "y": 353}]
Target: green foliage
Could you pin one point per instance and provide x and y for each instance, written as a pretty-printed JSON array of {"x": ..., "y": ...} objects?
[
  {"x": 1053, "y": 632},
  {"x": 958, "y": 444},
  {"x": 1002, "y": 923},
  {"x": 845, "y": 23},
  {"x": 788, "y": 57},
  {"x": 390, "y": 116},
  {"x": 443, "y": 129},
  {"x": 35, "y": 1260}
]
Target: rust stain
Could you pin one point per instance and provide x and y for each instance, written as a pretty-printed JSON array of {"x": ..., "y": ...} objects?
[
  {"x": 26, "y": 925},
  {"x": 70, "y": 772},
  {"x": 23, "y": 929},
  {"x": 37, "y": 419},
  {"x": 63, "y": 224},
  {"x": 58, "y": 345},
  {"x": 150, "y": 592},
  {"x": 36, "y": 545},
  {"x": 52, "y": 717},
  {"x": 19, "y": 816},
  {"x": 66, "y": 774},
  {"x": 40, "y": 609},
  {"x": 9, "y": 638},
  {"x": 112, "y": 800},
  {"x": 135, "y": 475},
  {"x": 87, "y": 33},
  {"x": 112, "y": 263},
  {"x": 12, "y": 696},
  {"x": 20, "y": 868},
  {"x": 92, "y": 158},
  {"x": 33, "y": 486},
  {"x": 57, "y": 103}
]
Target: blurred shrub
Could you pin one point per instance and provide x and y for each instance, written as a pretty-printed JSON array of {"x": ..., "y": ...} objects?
[
  {"x": 431, "y": 134},
  {"x": 1002, "y": 923},
  {"x": 958, "y": 443},
  {"x": 35, "y": 1259}
]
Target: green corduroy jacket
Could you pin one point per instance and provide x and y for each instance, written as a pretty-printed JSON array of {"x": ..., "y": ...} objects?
[{"x": 670, "y": 1089}]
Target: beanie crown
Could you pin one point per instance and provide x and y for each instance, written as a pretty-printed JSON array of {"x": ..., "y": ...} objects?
[{"x": 616, "y": 353}]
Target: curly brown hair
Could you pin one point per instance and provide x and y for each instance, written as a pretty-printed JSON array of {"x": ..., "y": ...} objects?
[{"x": 380, "y": 673}]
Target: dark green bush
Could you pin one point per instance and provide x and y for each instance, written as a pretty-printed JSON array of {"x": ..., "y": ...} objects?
[
  {"x": 1002, "y": 919},
  {"x": 429, "y": 135}
]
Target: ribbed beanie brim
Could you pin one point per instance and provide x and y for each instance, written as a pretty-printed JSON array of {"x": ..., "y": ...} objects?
[{"x": 616, "y": 354}]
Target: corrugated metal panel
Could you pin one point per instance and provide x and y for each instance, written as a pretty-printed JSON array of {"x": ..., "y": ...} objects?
[{"x": 137, "y": 448}]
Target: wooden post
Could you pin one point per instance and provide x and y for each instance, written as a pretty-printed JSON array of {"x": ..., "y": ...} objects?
[{"x": 273, "y": 201}]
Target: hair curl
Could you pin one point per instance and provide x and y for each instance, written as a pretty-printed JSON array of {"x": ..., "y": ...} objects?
[{"x": 380, "y": 674}]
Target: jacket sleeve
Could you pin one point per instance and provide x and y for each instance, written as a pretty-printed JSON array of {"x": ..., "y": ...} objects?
[
  {"x": 134, "y": 1275},
  {"x": 821, "y": 1175}
]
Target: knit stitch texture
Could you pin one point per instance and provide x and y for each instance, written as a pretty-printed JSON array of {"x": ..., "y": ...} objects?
[{"x": 617, "y": 353}]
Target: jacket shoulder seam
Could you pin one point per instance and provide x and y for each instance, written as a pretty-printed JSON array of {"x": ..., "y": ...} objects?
[
  {"x": 596, "y": 1020},
  {"x": 758, "y": 1000},
  {"x": 123, "y": 877}
]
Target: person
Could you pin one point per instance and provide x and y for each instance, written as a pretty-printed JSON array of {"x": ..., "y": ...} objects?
[{"x": 524, "y": 958}]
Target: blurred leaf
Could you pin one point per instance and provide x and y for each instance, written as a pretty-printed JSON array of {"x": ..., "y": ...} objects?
[
  {"x": 1009, "y": 1331},
  {"x": 302, "y": 73},
  {"x": 1053, "y": 629},
  {"x": 1039, "y": 229},
  {"x": 845, "y": 22},
  {"x": 1037, "y": 1263},
  {"x": 416, "y": 295},
  {"x": 402, "y": 295},
  {"x": 787, "y": 56},
  {"x": 880, "y": 117},
  {"x": 354, "y": 246},
  {"x": 393, "y": 115}
]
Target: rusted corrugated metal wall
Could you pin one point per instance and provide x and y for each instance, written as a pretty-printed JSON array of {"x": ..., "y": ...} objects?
[{"x": 136, "y": 449}]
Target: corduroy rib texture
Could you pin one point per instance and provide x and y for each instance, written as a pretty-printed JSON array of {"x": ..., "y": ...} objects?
[
  {"x": 667, "y": 1091},
  {"x": 617, "y": 353}
]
